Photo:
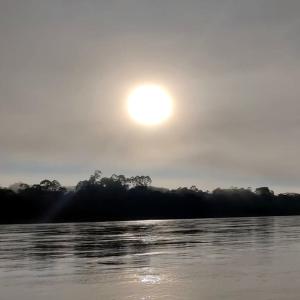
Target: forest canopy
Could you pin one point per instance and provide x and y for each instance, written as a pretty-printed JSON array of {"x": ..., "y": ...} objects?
[{"x": 118, "y": 197}]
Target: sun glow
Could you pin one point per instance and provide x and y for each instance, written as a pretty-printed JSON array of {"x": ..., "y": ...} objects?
[{"x": 149, "y": 104}]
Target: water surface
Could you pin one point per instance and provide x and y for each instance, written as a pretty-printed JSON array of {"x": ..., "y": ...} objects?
[{"x": 235, "y": 258}]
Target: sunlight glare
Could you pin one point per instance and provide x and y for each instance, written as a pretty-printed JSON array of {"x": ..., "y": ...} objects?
[{"x": 150, "y": 104}]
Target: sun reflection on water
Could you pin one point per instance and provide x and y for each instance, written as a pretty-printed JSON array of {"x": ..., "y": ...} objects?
[{"x": 150, "y": 279}]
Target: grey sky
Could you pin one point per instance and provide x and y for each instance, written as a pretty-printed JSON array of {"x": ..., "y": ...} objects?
[{"x": 233, "y": 68}]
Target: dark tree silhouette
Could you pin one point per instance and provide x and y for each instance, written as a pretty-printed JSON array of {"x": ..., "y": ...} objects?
[{"x": 117, "y": 197}]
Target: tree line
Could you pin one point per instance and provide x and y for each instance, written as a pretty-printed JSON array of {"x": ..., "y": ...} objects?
[{"x": 117, "y": 197}]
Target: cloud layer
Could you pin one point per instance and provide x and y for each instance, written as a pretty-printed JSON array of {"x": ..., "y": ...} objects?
[{"x": 232, "y": 66}]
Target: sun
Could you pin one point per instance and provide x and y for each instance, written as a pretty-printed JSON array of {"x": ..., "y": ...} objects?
[{"x": 149, "y": 104}]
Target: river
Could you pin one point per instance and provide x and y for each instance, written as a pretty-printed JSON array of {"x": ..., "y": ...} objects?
[{"x": 208, "y": 259}]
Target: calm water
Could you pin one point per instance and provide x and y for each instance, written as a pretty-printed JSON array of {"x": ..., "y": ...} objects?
[{"x": 248, "y": 258}]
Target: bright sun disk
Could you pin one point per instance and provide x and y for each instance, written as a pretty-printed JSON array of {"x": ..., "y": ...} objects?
[{"x": 149, "y": 104}]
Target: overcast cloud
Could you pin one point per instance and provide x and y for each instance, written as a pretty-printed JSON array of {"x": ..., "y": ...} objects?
[{"x": 233, "y": 68}]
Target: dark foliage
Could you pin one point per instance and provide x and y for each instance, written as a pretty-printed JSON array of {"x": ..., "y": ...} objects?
[{"x": 120, "y": 198}]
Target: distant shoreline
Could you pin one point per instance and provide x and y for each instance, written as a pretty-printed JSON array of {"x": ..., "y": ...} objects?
[{"x": 117, "y": 198}]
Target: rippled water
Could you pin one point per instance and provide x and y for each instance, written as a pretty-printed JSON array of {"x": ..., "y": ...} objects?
[{"x": 238, "y": 258}]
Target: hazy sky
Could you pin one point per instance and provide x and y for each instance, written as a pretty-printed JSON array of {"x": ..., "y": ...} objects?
[{"x": 233, "y": 68}]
